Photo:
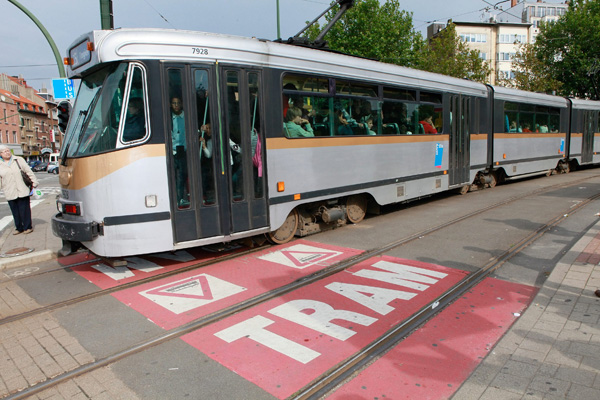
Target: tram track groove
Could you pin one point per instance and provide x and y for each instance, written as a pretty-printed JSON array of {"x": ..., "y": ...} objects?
[{"x": 376, "y": 348}]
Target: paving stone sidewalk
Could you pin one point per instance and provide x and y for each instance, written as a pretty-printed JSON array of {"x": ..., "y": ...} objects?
[{"x": 553, "y": 350}]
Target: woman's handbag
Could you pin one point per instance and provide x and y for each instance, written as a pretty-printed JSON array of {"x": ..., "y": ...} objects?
[{"x": 26, "y": 178}]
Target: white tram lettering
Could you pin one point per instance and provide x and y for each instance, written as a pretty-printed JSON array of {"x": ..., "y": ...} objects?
[
  {"x": 402, "y": 275},
  {"x": 199, "y": 51},
  {"x": 375, "y": 298},
  {"x": 253, "y": 329},
  {"x": 317, "y": 315}
]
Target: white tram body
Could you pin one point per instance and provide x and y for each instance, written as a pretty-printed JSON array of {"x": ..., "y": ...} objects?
[{"x": 211, "y": 154}]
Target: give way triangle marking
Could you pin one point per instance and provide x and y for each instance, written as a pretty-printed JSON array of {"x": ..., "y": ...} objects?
[
  {"x": 300, "y": 256},
  {"x": 190, "y": 293}
]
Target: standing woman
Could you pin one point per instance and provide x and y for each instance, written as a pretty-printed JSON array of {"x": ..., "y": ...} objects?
[{"x": 15, "y": 190}]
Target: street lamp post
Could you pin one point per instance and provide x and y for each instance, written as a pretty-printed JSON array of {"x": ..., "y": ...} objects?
[{"x": 59, "y": 61}]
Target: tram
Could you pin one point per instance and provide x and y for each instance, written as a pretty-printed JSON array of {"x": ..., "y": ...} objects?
[{"x": 180, "y": 139}]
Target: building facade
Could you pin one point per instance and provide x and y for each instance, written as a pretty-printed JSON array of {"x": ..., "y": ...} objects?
[
  {"x": 28, "y": 124},
  {"x": 500, "y": 38}
]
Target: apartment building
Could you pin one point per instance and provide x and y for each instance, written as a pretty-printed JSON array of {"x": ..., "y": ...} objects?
[
  {"x": 499, "y": 38},
  {"x": 27, "y": 124}
]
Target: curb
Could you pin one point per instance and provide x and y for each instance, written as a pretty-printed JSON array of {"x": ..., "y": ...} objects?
[{"x": 26, "y": 259}]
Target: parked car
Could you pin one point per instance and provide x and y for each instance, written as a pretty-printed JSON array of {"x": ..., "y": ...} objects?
[
  {"x": 34, "y": 163},
  {"x": 52, "y": 168},
  {"x": 40, "y": 167}
]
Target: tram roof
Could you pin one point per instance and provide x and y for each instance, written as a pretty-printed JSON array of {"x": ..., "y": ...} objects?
[
  {"x": 522, "y": 96},
  {"x": 178, "y": 45},
  {"x": 580, "y": 104}
]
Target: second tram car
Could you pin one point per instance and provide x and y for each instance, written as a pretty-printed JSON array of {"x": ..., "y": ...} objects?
[{"x": 180, "y": 139}]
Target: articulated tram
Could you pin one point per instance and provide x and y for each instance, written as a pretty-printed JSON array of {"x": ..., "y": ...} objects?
[{"x": 180, "y": 139}]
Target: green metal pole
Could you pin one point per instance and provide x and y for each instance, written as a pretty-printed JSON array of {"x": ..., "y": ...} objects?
[
  {"x": 59, "y": 61},
  {"x": 106, "y": 14},
  {"x": 278, "y": 25}
]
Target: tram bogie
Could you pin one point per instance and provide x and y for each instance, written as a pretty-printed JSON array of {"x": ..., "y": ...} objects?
[{"x": 182, "y": 139}]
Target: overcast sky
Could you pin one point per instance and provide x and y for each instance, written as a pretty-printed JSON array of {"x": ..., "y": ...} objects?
[{"x": 24, "y": 50}]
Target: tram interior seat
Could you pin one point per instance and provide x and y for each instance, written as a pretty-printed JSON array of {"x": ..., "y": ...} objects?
[
  {"x": 321, "y": 129},
  {"x": 391, "y": 129}
]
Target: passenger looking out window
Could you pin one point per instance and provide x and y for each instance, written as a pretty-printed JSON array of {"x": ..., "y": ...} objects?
[{"x": 296, "y": 126}]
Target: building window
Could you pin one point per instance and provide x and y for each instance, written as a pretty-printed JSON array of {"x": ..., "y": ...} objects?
[
  {"x": 483, "y": 56},
  {"x": 474, "y": 37},
  {"x": 505, "y": 56},
  {"x": 15, "y": 136}
]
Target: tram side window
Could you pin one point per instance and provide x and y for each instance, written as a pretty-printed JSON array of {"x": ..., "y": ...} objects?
[
  {"x": 404, "y": 115},
  {"x": 101, "y": 124},
  {"x": 203, "y": 108},
  {"x": 528, "y": 118},
  {"x": 135, "y": 118},
  {"x": 178, "y": 138}
]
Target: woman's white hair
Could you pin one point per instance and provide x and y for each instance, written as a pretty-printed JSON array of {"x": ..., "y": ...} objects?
[{"x": 3, "y": 147}]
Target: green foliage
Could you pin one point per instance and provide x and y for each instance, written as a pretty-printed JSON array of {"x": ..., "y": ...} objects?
[
  {"x": 448, "y": 55},
  {"x": 385, "y": 32},
  {"x": 369, "y": 29},
  {"x": 565, "y": 55}
]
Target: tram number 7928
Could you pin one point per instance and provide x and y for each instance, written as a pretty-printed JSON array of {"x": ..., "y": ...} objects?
[{"x": 199, "y": 51}]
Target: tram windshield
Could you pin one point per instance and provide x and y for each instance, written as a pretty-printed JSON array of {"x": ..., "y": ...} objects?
[{"x": 95, "y": 119}]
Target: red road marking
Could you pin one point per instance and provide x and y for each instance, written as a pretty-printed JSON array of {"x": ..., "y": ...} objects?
[
  {"x": 252, "y": 273},
  {"x": 433, "y": 362},
  {"x": 284, "y": 344},
  {"x": 130, "y": 274}
]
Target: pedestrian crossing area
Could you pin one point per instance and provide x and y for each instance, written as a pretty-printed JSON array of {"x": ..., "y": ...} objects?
[{"x": 46, "y": 191}]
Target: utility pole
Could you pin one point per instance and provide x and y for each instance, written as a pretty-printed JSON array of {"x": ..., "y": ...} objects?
[
  {"x": 278, "y": 24},
  {"x": 59, "y": 60},
  {"x": 106, "y": 14}
]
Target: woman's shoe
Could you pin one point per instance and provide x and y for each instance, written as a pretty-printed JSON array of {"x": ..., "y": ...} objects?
[
  {"x": 28, "y": 231},
  {"x": 17, "y": 232}
]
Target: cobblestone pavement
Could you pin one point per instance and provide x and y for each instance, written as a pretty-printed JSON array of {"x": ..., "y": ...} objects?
[
  {"x": 38, "y": 348},
  {"x": 553, "y": 350}
]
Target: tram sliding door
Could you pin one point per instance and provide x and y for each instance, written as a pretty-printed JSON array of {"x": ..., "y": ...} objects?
[
  {"x": 214, "y": 136},
  {"x": 460, "y": 136},
  {"x": 587, "y": 146}
]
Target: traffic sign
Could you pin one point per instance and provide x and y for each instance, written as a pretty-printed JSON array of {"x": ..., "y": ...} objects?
[{"x": 63, "y": 88}]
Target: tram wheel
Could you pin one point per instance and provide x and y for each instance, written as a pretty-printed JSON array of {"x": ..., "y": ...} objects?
[
  {"x": 286, "y": 232},
  {"x": 493, "y": 180},
  {"x": 356, "y": 208}
]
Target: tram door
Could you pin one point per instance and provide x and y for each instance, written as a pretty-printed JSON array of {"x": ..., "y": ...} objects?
[
  {"x": 587, "y": 145},
  {"x": 214, "y": 132},
  {"x": 460, "y": 136}
]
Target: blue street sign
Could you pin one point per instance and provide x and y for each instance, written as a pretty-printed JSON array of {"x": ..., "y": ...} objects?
[{"x": 63, "y": 88}]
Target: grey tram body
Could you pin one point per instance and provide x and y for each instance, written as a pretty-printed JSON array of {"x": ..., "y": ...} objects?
[{"x": 318, "y": 170}]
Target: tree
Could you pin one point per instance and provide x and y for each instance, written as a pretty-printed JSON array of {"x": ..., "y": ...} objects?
[
  {"x": 369, "y": 29},
  {"x": 565, "y": 55},
  {"x": 447, "y": 54}
]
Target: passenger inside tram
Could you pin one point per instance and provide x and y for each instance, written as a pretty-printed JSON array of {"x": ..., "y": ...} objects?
[
  {"x": 179, "y": 151},
  {"x": 135, "y": 121},
  {"x": 296, "y": 126}
]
